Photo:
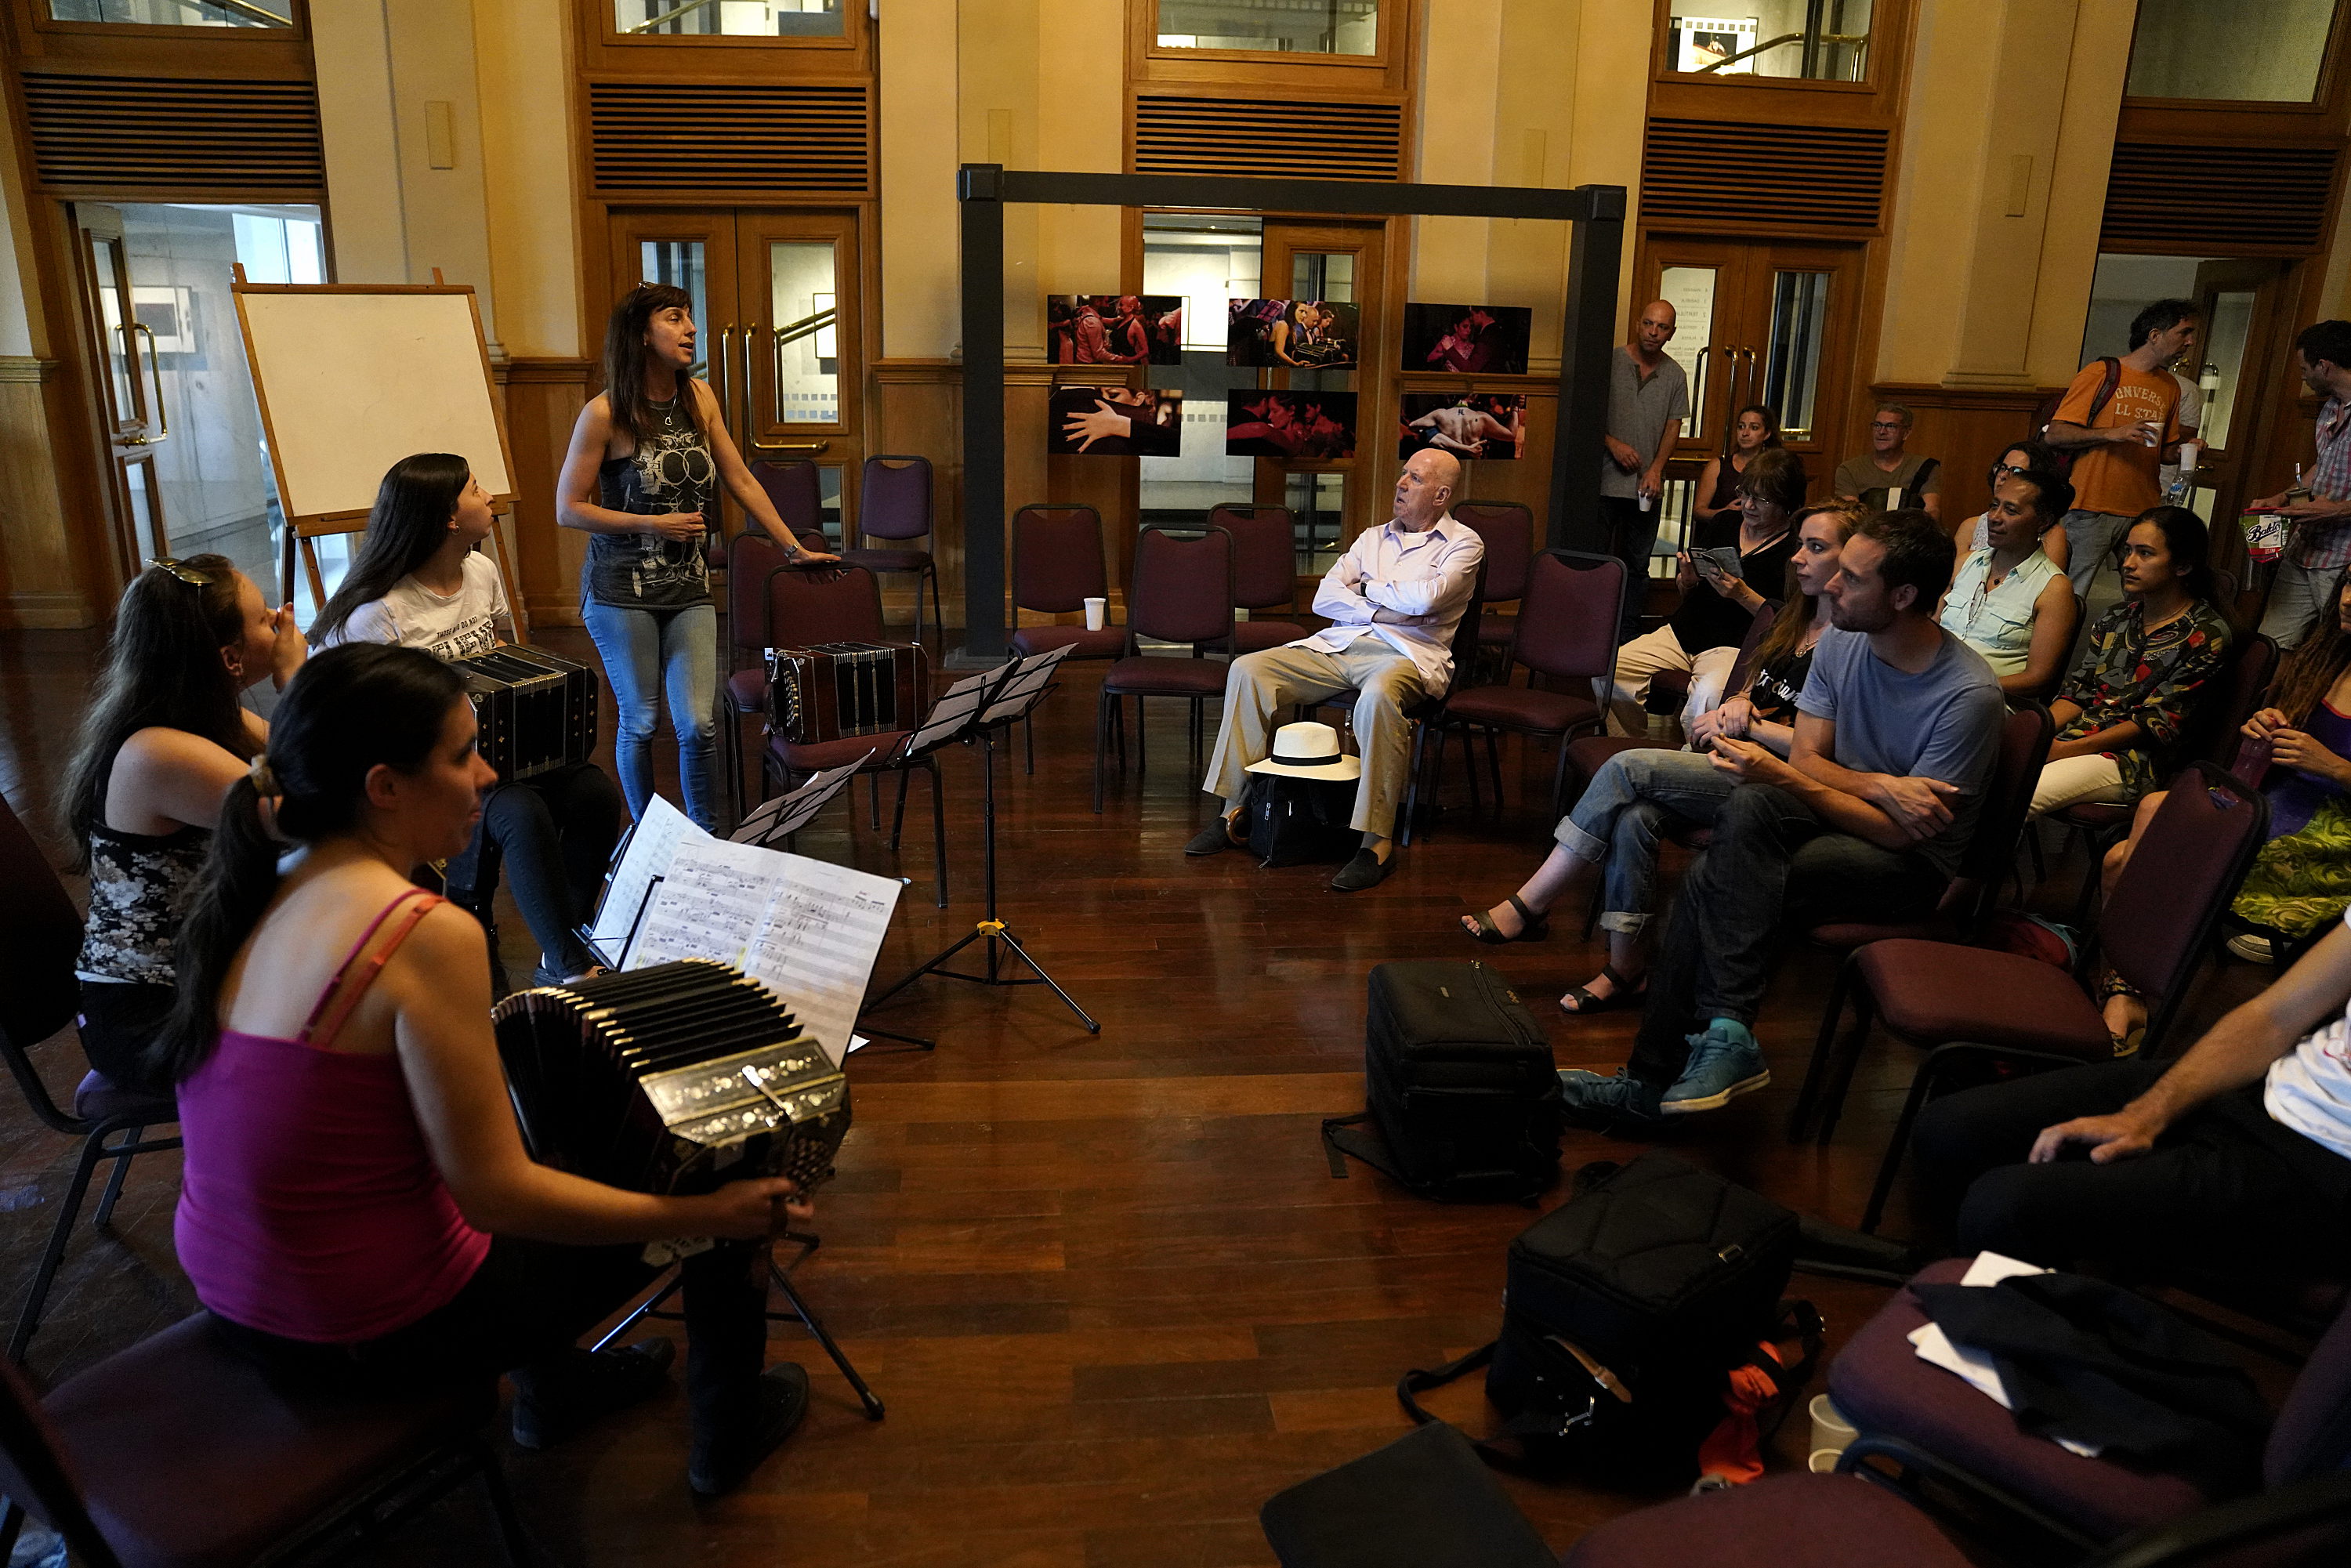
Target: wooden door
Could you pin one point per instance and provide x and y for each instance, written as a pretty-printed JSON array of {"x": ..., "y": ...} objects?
[
  {"x": 131, "y": 413},
  {"x": 2242, "y": 338},
  {"x": 800, "y": 384},
  {"x": 1333, "y": 501}
]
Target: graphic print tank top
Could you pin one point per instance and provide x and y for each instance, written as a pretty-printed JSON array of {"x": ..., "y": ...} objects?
[{"x": 670, "y": 471}]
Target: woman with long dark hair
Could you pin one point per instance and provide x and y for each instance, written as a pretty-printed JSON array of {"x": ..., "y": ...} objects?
[
  {"x": 162, "y": 741},
  {"x": 648, "y": 458},
  {"x": 2120, "y": 712},
  {"x": 1617, "y": 825},
  {"x": 356, "y": 1206},
  {"x": 422, "y": 581},
  {"x": 1754, "y": 429}
]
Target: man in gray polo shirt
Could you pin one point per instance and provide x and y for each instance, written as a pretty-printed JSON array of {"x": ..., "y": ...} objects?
[{"x": 1647, "y": 397}]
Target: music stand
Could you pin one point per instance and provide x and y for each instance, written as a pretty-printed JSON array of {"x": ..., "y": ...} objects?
[
  {"x": 788, "y": 813},
  {"x": 1025, "y": 683}
]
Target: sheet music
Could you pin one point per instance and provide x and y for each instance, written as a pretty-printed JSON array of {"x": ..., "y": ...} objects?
[
  {"x": 709, "y": 905},
  {"x": 952, "y": 711},
  {"x": 655, "y": 838},
  {"x": 817, "y": 947},
  {"x": 790, "y": 812}
]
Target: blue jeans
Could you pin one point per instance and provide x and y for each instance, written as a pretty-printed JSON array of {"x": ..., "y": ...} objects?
[
  {"x": 1773, "y": 867},
  {"x": 1624, "y": 810},
  {"x": 646, "y": 651}
]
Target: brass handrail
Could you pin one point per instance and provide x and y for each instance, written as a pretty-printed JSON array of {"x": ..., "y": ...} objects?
[
  {"x": 668, "y": 16},
  {"x": 1728, "y": 60},
  {"x": 261, "y": 14}
]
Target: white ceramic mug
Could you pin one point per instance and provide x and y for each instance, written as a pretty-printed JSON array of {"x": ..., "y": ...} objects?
[{"x": 1097, "y": 613}]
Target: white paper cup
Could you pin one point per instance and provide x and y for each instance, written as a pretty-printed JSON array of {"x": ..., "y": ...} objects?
[
  {"x": 1823, "y": 1460},
  {"x": 1831, "y": 1431},
  {"x": 1097, "y": 613},
  {"x": 1645, "y": 502}
]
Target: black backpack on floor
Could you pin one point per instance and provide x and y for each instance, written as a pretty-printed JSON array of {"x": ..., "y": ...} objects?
[
  {"x": 1625, "y": 1311},
  {"x": 1299, "y": 821},
  {"x": 1460, "y": 1084}
]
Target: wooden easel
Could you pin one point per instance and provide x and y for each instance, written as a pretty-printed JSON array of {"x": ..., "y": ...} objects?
[{"x": 304, "y": 526}]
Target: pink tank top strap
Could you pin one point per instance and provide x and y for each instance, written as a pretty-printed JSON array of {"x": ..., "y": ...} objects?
[{"x": 350, "y": 985}]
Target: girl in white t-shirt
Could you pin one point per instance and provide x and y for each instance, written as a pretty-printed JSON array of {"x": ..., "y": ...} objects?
[{"x": 421, "y": 581}]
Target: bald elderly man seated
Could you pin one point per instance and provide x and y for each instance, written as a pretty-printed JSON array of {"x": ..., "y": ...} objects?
[{"x": 1393, "y": 600}]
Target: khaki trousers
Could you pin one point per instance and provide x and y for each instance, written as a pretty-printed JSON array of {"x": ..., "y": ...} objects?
[{"x": 1261, "y": 688}]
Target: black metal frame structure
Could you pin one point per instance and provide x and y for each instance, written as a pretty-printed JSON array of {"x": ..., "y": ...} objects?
[{"x": 1595, "y": 253}]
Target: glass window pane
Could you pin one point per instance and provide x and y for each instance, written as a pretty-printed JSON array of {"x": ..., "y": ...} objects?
[
  {"x": 1281, "y": 27},
  {"x": 1792, "y": 365},
  {"x": 1318, "y": 510},
  {"x": 2224, "y": 358},
  {"x": 1690, "y": 291},
  {"x": 177, "y": 13},
  {"x": 679, "y": 262},
  {"x": 1808, "y": 38},
  {"x": 104, "y": 253},
  {"x": 1323, "y": 274},
  {"x": 2266, "y": 51},
  {"x": 730, "y": 18},
  {"x": 1207, "y": 260},
  {"x": 802, "y": 287}
]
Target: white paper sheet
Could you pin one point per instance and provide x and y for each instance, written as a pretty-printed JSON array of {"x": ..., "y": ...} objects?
[
  {"x": 1936, "y": 1349},
  {"x": 709, "y": 905},
  {"x": 651, "y": 845},
  {"x": 817, "y": 945}
]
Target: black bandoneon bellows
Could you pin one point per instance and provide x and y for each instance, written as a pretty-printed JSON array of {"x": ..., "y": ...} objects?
[
  {"x": 836, "y": 691},
  {"x": 536, "y": 712},
  {"x": 670, "y": 1079}
]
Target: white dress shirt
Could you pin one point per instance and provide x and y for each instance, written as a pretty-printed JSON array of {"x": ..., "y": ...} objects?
[{"x": 1417, "y": 584}]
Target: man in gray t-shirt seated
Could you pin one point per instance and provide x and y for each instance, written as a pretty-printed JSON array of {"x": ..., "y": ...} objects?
[{"x": 1896, "y": 731}]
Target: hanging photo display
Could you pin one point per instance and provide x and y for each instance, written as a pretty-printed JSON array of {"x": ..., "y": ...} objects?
[
  {"x": 1311, "y": 427},
  {"x": 1114, "y": 422},
  {"x": 1703, "y": 43},
  {"x": 1470, "y": 339},
  {"x": 1309, "y": 334},
  {"x": 1467, "y": 424},
  {"x": 1114, "y": 329}
]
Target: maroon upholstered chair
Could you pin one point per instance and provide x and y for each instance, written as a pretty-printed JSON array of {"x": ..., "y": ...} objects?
[
  {"x": 796, "y": 491},
  {"x": 1800, "y": 1521},
  {"x": 1588, "y": 754},
  {"x": 1970, "y": 1006},
  {"x": 1565, "y": 632},
  {"x": 1264, "y": 573},
  {"x": 181, "y": 1453},
  {"x": 1936, "y": 1427},
  {"x": 1509, "y": 529},
  {"x": 1181, "y": 592},
  {"x": 806, "y": 606},
  {"x": 40, "y": 937},
  {"x": 751, "y": 555},
  {"x": 1990, "y": 855},
  {"x": 1057, "y": 565},
  {"x": 893, "y": 502}
]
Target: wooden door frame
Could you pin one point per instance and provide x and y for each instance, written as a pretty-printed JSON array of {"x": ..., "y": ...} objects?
[{"x": 1376, "y": 305}]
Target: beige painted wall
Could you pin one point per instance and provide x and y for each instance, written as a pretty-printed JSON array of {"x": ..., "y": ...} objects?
[
  {"x": 918, "y": 51},
  {"x": 523, "y": 67}
]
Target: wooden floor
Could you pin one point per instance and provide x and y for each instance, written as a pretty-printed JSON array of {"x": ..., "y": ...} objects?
[{"x": 1109, "y": 1286}]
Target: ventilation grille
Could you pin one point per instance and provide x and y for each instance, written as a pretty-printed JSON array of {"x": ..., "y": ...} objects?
[
  {"x": 94, "y": 134},
  {"x": 1806, "y": 176},
  {"x": 2218, "y": 200},
  {"x": 730, "y": 138},
  {"x": 1260, "y": 136}
]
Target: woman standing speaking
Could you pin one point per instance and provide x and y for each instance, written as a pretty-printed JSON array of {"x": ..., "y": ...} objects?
[{"x": 647, "y": 458}]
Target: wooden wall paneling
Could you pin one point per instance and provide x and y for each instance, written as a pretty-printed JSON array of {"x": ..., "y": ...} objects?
[
  {"x": 1029, "y": 473},
  {"x": 38, "y": 580},
  {"x": 543, "y": 399},
  {"x": 1967, "y": 428}
]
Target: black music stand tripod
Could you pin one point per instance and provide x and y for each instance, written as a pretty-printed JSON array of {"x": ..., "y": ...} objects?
[
  {"x": 781, "y": 1275},
  {"x": 1028, "y": 684}
]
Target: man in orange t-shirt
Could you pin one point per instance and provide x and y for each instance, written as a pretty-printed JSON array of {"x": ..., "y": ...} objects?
[{"x": 2118, "y": 447}]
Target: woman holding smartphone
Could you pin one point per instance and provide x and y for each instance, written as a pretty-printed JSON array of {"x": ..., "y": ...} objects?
[{"x": 647, "y": 460}]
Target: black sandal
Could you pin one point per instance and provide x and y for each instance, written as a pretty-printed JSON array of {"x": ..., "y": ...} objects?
[
  {"x": 1624, "y": 996},
  {"x": 1534, "y": 927}
]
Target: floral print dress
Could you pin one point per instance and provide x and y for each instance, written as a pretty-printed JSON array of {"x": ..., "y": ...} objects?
[{"x": 2130, "y": 675}]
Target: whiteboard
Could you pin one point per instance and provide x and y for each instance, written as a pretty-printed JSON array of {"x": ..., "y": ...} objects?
[{"x": 351, "y": 381}]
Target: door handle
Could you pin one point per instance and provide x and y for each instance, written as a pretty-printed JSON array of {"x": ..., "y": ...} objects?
[
  {"x": 154, "y": 363},
  {"x": 724, "y": 368},
  {"x": 810, "y": 447}
]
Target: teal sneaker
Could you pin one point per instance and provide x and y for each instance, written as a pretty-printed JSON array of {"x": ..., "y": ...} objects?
[
  {"x": 1592, "y": 1100},
  {"x": 1724, "y": 1064}
]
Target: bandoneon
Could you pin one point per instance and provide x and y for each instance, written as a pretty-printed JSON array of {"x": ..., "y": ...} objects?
[
  {"x": 834, "y": 691},
  {"x": 672, "y": 1079},
  {"x": 536, "y": 712}
]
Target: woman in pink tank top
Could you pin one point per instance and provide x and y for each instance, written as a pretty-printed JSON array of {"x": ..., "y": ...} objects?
[{"x": 358, "y": 1208}]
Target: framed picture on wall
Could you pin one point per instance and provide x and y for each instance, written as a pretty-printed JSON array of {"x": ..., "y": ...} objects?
[
  {"x": 1306, "y": 428},
  {"x": 1469, "y": 339},
  {"x": 1114, "y": 329},
  {"x": 1306, "y": 334},
  {"x": 1114, "y": 422},
  {"x": 1467, "y": 424}
]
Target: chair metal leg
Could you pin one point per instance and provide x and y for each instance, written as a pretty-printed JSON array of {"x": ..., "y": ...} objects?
[
  {"x": 1823, "y": 1047},
  {"x": 30, "y": 1319},
  {"x": 1101, "y": 743},
  {"x": 515, "y": 1543},
  {"x": 898, "y": 818},
  {"x": 1142, "y": 737},
  {"x": 1847, "y": 1061},
  {"x": 1493, "y": 764},
  {"x": 114, "y": 1182},
  {"x": 938, "y": 830},
  {"x": 937, "y": 614},
  {"x": 1922, "y": 1084},
  {"x": 1558, "y": 782},
  {"x": 1029, "y": 738},
  {"x": 1412, "y": 783},
  {"x": 874, "y": 796}
]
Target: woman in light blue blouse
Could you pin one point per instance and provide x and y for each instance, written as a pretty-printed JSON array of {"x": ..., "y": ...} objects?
[{"x": 2008, "y": 601}]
